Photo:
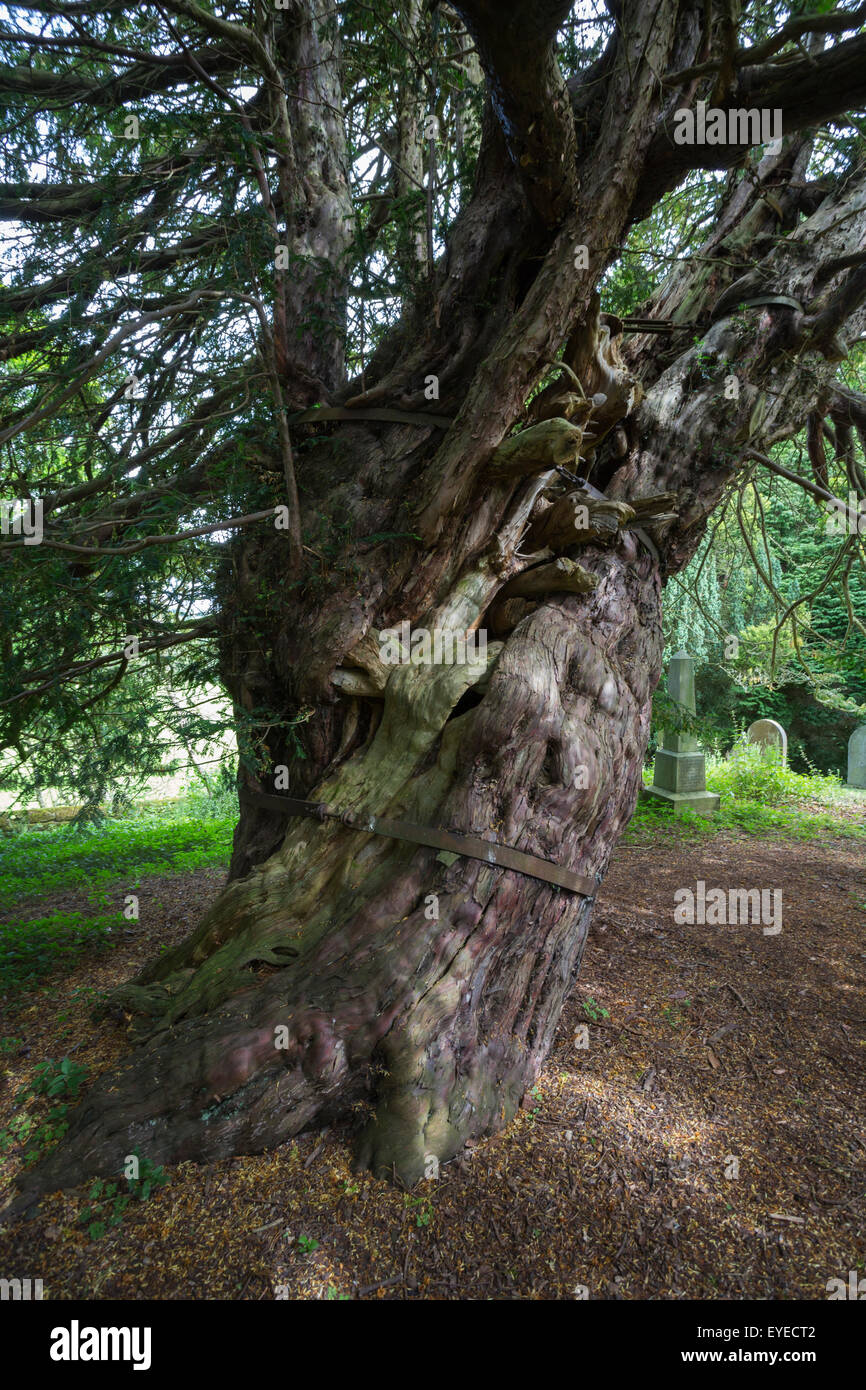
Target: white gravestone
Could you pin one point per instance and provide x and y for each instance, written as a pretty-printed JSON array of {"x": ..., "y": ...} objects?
[
  {"x": 857, "y": 758},
  {"x": 768, "y": 734}
]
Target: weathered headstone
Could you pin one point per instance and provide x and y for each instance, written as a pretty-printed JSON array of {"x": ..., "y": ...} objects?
[
  {"x": 679, "y": 775},
  {"x": 857, "y": 758},
  {"x": 768, "y": 734}
]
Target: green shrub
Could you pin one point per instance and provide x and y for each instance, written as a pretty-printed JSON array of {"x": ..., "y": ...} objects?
[
  {"x": 759, "y": 796},
  {"x": 39, "y": 862},
  {"x": 753, "y": 774}
]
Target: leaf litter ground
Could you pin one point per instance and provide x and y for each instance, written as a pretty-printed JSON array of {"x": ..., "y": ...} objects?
[{"x": 707, "y": 1143}]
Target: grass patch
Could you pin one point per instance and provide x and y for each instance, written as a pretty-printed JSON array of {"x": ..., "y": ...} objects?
[
  {"x": 760, "y": 796},
  {"x": 36, "y": 863},
  {"x": 30, "y": 950}
]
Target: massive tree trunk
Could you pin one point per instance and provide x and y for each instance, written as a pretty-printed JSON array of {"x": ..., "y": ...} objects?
[{"x": 347, "y": 971}]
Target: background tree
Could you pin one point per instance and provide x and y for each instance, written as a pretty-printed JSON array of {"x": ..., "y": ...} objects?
[{"x": 241, "y": 292}]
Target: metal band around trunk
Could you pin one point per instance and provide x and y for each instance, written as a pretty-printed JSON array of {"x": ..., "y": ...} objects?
[{"x": 472, "y": 846}]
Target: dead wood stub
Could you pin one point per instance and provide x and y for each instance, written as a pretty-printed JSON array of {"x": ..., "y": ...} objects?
[{"x": 578, "y": 518}]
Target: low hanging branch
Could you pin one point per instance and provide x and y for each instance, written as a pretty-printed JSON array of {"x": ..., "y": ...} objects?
[
  {"x": 822, "y": 494},
  {"x": 208, "y": 628},
  {"x": 95, "y": 552}
]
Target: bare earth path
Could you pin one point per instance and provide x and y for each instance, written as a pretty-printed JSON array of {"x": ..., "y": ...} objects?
[{"x": 711, "y": 1051}]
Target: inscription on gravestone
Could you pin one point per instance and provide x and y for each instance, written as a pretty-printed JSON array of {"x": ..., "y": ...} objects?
[{"x": 692, "y": 776}]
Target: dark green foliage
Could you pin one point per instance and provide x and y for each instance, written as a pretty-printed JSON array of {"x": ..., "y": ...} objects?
[
  {"x": 769, "y": 576},
  {"x": 54, "y": 1079}
]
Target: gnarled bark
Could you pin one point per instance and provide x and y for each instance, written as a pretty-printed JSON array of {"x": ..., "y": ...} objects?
[{"x": 341, "y": 970}]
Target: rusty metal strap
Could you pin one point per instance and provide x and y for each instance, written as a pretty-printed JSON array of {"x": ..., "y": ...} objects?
[{"x": 503, "y": 856}]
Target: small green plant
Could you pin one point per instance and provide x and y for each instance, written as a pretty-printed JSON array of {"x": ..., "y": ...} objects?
[
  {"x": 86, "y": 992},
  {"x": 10, "y": 1045},
  {"x": 108, "y": 1201},
  {"x": 150, "y": 1176},
  {"x": 334, "y": 1296},
  {"x": 594, "y": 1010},
  {"x": 36, "y": 1136},
  {"x": 422, "y": 1207},
  {"x": 18, "y": 1131},
  {"x": 106, "y": 1207},
  {"x": 63, "y": 1078},
  {"x": 34, "y": 1132},
  {"x": 37, "y": 1133},
  {"x": 306, "y": 1245}
]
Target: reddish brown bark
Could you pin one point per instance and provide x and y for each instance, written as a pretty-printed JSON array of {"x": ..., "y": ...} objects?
[
  {"x": 453, "y": 1015},
  {"x": 435, "y": 1025}
]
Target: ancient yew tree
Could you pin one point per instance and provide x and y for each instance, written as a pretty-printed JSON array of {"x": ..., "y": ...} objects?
[{"x": 306, "y": 334}]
